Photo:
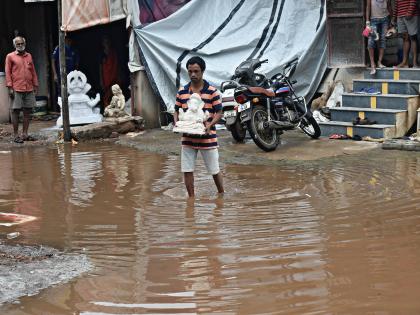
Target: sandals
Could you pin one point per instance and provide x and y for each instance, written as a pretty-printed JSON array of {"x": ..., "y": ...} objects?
[
  {"x": 28, "y": 138},
  {"x": 365, "y": 121},
  {"x": 345, "y": 137},
  {"x": 18, "y": 139},
  {"x": 340, "y": 137},
  {"x": 22, "y": 139},
  {"x": 356, "y": 121},
  {"x": 372, "y": 91}
]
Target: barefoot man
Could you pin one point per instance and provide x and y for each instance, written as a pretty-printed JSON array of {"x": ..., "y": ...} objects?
[
  {"x": 406, "y": 12},
  {"x": 207, "y": 144}
]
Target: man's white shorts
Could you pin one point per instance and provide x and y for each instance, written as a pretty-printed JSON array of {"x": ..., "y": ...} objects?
[{"x": 210, "y": 157}]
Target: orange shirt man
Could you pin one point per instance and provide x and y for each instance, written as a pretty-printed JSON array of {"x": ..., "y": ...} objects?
[{"x": 22, "y": 81}]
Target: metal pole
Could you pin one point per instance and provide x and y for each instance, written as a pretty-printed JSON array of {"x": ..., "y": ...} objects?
[{"x": 63, "y": 76}]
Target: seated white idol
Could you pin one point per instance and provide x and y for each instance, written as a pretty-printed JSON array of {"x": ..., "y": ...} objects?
[{"x": 192, "y": 120}]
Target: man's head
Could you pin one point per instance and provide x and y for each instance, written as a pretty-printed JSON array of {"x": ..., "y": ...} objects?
[
  {"x": 20, "y": 44},
  {"x": 196, "y": 67}
]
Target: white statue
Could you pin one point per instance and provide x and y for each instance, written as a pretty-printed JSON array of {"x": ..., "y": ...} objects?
[
  {"x": 82, "y": 108},
  {"x": 192, "y": 121},
  {"x": 117, "y": 105}
]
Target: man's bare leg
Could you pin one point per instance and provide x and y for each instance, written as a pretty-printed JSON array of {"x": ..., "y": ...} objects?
[
  {"x": 218, "y": 180},
  {"x": 414, "y": 50},
  {"x": 406, "y": 51},
  {"x": 189, "y": 183},
  {"x": 372, "y": 61},
  {"x": 381, "y": 56},
  {"x": 26, "y": 119},
  {"x": 15, "y": 122}
]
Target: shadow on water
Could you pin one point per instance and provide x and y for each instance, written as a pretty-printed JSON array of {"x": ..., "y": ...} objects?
[{"x": 326, "y": 239}]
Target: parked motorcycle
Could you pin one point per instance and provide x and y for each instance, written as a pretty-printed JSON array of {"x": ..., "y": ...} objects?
[
  {"x": 244, "y": 75},
  {"x": 275, "y": 109}
]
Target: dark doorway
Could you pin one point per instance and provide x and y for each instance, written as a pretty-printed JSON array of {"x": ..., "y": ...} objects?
[
  {"x": 89, "y": 45},
  {"x": 345, "y": 23}
]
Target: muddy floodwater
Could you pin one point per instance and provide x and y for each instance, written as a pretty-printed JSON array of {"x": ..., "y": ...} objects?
[{"x": 335, "y": 237}]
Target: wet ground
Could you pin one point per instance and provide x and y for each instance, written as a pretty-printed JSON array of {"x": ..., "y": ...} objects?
[{"x": 331, "y": 236}]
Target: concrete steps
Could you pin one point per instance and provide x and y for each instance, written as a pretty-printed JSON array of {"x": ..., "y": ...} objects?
[
  {"x": 347, "y": 128},
  {"x": 385, "y": 86},
  {"x": 381, "y": 116},
  {"x": 389, "y": 101},
  {"x": 394, "y": 74},
  {"x": 394, "y": 108}
]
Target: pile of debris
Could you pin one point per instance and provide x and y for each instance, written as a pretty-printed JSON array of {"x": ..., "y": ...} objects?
[{"x": 406, "y": 143}]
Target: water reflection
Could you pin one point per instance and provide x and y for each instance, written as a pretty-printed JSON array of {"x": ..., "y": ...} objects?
[
  {"x": 338, "y": 237},
  {"x": 80, "y": 170}
]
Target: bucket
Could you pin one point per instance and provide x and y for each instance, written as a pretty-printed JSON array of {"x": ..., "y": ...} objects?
[{"x": 40, "y": 108}]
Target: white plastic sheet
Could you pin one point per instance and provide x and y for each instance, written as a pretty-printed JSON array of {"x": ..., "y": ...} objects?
[{"x": 227, "y": 32}]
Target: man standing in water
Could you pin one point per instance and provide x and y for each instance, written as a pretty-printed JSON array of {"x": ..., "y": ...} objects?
[
  {"x": 22, "y": 81},
  {"x": 206, "y": 144},
  {"x": 406, "y": 13}
]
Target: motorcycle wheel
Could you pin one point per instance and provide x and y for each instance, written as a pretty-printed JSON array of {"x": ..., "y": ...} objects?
[
  {"x": 265, "y": 138},
  {"x": 310, "y": 126},
  {"x": 238, "y": 131}
]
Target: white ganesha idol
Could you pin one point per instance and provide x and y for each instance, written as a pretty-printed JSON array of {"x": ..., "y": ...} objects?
[
  {"x": 192, "y": 120},
  {"x": 82, "y": 108}
]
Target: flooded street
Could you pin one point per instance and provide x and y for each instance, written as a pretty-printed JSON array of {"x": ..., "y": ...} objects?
[{"x": 334, "y": 237}]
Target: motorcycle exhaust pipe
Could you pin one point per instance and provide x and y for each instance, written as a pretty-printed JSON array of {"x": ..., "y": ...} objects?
[{"x": 278, "y": 124}]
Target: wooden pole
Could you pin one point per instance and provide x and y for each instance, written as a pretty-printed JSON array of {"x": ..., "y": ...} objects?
[{"x": 63, "y": 75}]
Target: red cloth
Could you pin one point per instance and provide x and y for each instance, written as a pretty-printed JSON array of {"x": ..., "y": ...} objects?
[
  {"x": 20, "y": 72},
  {"x": 110, "y": 69}
]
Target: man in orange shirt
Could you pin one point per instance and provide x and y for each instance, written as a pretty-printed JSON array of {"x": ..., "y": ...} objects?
[{"x": 22, "y": 81}]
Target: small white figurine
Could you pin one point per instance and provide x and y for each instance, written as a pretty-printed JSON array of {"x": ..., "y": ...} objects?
[
  {"x": 116, "y": 107},
  {"x": 192, "y": 121},
  {"x": 82, "y": 108}
]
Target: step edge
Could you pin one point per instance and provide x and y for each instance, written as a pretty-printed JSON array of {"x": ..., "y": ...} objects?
[
  {"x": 395, "y": 69},
  {"x": 386, "y": 81},
  {"x": 347, "y": 124},
  {"x": 381, "y": 95},
  {"x": 368, "y": 109}
]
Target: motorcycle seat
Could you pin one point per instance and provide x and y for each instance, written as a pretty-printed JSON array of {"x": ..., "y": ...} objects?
[{"x": 260, "y": 90}]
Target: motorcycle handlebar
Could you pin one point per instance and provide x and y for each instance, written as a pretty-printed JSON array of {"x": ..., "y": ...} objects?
[
  {"x": 260, "y": 63},
  {"x": 291, "y": 62}
]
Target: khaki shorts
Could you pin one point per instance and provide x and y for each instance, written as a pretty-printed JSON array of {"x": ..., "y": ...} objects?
[
  {"x": 407, "y": 24},
  {"x": 23, "y": 100},
  {"x": 210, "y": 157}
]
